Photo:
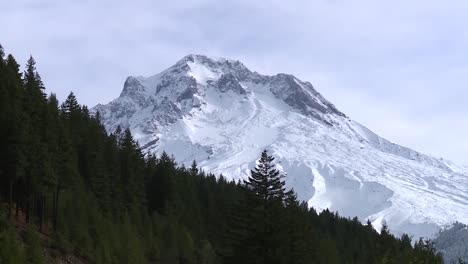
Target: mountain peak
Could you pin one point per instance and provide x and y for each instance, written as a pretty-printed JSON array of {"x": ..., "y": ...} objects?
[
  {"x": 200, "y": 58},
  {"x": 223, "y": 115},
  {"x": 204, "y": 68},
  {"x": 184, "y": 83}
]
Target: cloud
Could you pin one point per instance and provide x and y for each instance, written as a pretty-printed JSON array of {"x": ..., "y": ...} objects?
[{"x": 398, "y": 67}]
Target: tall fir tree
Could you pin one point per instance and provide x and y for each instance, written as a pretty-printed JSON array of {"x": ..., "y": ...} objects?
[
  {"x": 194, "y": 168},
  {"x": 36, "y": 111},
  {"x": 266, "y": 181},
  {"x": 12, "y": 128},
  {"x": 265, "y": 218}
]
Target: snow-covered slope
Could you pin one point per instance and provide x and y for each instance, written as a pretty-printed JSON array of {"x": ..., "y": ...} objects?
[{"x": 221, "y": 114}]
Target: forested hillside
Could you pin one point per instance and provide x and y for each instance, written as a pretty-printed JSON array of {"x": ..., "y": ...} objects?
[{"x": 67, "y": 188}]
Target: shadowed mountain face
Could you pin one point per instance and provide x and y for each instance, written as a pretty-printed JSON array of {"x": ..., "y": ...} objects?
[
  {"x": 453, "y": 243},
  {"x": 221, "y": 114}
]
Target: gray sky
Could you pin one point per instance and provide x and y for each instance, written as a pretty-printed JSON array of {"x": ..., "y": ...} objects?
[{"x": 399, "y": 67}]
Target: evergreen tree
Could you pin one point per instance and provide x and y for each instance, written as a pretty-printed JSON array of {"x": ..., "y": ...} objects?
[
  {"x": 265, "y": 219},
  {"x": 12, "y": 128},
  {"x": 265, "y": 181},
  {"x": 36, "y": 111},
  {"x": 32, "y": 80},
  {"x": 194, "y": 168},
  {"x": 131, "y": 162},
  {"x": 70, "y": 107}
]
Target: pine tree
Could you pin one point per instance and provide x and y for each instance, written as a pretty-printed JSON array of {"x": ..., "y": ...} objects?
[
  {"x": 67, "y": 172},
  {"x": 70, "y": 107},
  {"x": 36, "y": 111},
  {"x": 266, "y": 181},
  {"x": 132, "y": 172},
  {"x": 71, "y": 112},
  {"x": 12, "y": 126},
  {"x": 160, "y": 188},
  {"x": 32, "y": 80},
  {"x": 194, "y": 168},
  {"x": 265, "y": 218},
  {"x": 299, "y": 239},
  {"x": 99, "y": 173}
]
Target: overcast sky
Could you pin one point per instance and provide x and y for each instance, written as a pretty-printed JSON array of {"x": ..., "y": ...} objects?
[{"x": 399, "y": 67}]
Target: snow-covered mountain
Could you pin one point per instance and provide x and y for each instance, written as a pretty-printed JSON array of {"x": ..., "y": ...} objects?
[{"x": 222, "y": 115}]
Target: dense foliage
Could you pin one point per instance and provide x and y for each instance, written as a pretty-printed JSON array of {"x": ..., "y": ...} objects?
[{"x": 67, "y": 186}]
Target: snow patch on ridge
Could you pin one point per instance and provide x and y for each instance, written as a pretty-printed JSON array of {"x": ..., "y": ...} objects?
[{"x": 201, "y": 73}]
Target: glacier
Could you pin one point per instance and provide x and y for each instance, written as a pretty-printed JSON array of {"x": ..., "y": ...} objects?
[{"x": 219, "y": 113}]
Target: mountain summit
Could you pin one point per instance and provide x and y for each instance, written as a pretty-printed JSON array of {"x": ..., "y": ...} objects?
[{"x": 219, "y": 113}]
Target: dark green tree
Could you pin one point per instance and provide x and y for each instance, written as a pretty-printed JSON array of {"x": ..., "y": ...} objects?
[
  {"x": 194, "y": 168},
  {"x": 265, "y": 218},
  {"x": 265, "y": 181}
]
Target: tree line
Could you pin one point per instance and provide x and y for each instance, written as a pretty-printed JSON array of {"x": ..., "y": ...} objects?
[{"x": 68, "y": 186}]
